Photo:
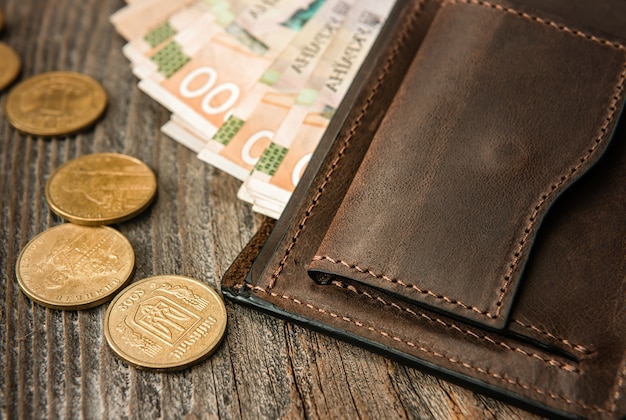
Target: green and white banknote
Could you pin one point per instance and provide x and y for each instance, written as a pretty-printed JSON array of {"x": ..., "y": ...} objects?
[
  {"x": 198, "y": 20},
  {"x": 140, "y": 16},
  {"x": 251, "y": 84},
  {"x": 280, "y": 168},
  {"x": 238, "y": 144},
  {"x": 202, "y": 80}
]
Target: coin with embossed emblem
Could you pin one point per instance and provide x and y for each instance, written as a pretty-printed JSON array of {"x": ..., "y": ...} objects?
[
  {"x": 165, "y": 322},
  {"x": 75, "y": 267},
  {"x": 101, "y": 189},
  {"x": 9, "y": 65},
  {"x": 55, "y": 104}
]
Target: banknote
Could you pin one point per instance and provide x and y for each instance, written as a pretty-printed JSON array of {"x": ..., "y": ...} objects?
[
  {"x": 194, "y": 19},
  {"x": 139, "y": 17},
  {"x": 252, "y": 84},
  {"x": 203, "y": 81},
  {"x": 165, "y": 56},
  {"x": 238, "y": 144},
  {"x": 281, "y": 166},
  {"x": 256, "y": 133},
  {"x": 272, "y": 24},
  {"x": 180, "y": 129},
  {"x": 140, "y": 49},
  {"x": 268, "y": 208},
  {"x": 184, "y": 133}
]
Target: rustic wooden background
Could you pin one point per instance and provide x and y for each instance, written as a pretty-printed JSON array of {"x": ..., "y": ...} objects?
[{"x": 57, "y": 364}]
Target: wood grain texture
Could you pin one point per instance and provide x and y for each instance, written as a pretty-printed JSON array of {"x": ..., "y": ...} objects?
[{"x": 57, "y": 364}]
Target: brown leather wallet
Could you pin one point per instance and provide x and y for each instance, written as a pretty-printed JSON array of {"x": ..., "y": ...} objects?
[{"x": 465, "y": 211}]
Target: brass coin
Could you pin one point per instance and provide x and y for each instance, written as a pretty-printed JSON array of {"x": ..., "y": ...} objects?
[
  {"x": 100, "y": 189},
  {"x": 75, "y": 267},
  {"x": 165, "y": 322},
  {"x": 56, "y": 103},
  {"x": 9, "y": 65}
]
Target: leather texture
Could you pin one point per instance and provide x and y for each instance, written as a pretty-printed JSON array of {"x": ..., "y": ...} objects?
[{"x": 466, "y": 209}]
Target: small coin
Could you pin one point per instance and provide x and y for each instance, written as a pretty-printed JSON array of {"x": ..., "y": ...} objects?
[
  {"x": 9, "y": 65},
  {"x": 165, "y": 322},
  {"x": 101, "y": 189},
  {"x": 75, "y": 267},
  {"x": 56, "y": 103}
]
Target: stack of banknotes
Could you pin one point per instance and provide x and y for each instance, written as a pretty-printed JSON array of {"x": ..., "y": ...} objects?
[{"x": 251, "y": 84}]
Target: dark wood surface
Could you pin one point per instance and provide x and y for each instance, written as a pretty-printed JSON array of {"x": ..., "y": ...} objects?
[{"x": 57, "y": 364}]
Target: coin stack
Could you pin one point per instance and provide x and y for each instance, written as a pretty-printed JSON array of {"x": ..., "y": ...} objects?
[
  {"x": 163, "y": 322},
  {"x": 82, "y": 264}
]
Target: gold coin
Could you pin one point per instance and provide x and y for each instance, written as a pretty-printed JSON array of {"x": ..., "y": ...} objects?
[
  {"x": 56, "y": 103},
  {"x": 9, "y": 65},
  {"x": 100, "y": 189},
  {"x": 75, "y": 267},
  {"x": 165, "y": 322}
]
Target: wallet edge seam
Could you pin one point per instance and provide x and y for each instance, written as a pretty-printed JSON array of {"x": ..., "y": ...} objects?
[{"x": 498, "y": 376}]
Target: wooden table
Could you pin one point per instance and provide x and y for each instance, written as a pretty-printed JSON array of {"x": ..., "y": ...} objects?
[{"x": 57, "y": 364}]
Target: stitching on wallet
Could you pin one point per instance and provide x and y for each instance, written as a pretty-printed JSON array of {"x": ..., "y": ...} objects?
[
  {"x": 453, "y": 360},
  {"x": 576, "y": 347},
  {"x": 402, "y": 283},
  {"x": 506, "y": 281},
  {"x": 551, "y": 362},
  {"x": 533, "y": 217},
  {"x": 357, "y": 122},
  {"x": 542, "y": 21},
  {"x": 618, "y": 388}
]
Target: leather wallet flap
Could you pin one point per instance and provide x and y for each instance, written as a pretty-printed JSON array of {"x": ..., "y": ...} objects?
[{"x": 497, "y": 115}]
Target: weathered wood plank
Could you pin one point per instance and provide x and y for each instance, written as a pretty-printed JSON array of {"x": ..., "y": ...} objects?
[{"x": 57, "y": 365}]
